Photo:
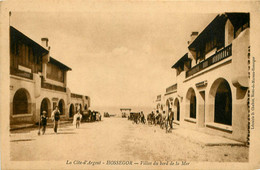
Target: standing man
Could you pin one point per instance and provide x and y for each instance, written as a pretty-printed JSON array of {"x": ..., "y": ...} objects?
[
  {"x": 94, "y": 115},
  {"x": 55, "y": 115},
  {"x": 156, "y": 117},
  {"x": 152, "y": 118},
  {"x": 142, "y": 117},
  {"x": 170, "y": 117},
  {"x": 164, "y": 119}
]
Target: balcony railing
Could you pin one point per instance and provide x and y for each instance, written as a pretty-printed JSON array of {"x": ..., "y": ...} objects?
[
  {"x": 52, "y": 86},
  {"x": 73, "y": 95},
  {"x": 172, "y": 88},
  {"x": 20, "y": 73},
  {"x": 220, "y": 55},
  {"x": 159, "y": 98}
]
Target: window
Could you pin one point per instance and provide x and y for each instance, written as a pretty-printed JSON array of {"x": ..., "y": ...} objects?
[{"x": 55, "y": 73}]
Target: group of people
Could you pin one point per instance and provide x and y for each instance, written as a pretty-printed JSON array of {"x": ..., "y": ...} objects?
[
  {"x": 161, "y": 118},
  {"x": 137, "y": 117},
  {"x": 55, "y": 117}
]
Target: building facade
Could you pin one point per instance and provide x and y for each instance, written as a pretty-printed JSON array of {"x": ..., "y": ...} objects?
[
  {"x": 211, "y": 90},
  {"x": 38, "y": 82}
]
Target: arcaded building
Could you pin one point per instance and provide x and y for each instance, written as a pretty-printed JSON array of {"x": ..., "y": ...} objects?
[
  {"x": 38, "y": 82},
  {"x": 211, "y": 90}
]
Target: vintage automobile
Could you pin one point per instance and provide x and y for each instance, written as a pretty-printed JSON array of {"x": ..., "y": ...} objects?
[
  {"x": 106, "y": 114},
  {"x": 86, "y": 116},
  {"x": 90, "y": 116}
]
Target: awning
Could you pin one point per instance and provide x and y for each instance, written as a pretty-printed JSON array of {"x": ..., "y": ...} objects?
[
  {"x": 19, "y": 36},
  {"x": 181, "y": 60},
  {"x": 238, "y": 19},
  {"x": 59, "y": 64},
  {"x": 214, "y": 26}
]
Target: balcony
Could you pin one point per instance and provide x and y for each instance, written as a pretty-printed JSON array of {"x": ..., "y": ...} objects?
[
  {"x": 159, "y": 97},
  {"x": 20, "y": 73},
  {"x": 73, "y": 95},
  {"x": 52, "y": 86},
  {"x": 220, "y": 55},
  {"x": 171, "y": 89}
]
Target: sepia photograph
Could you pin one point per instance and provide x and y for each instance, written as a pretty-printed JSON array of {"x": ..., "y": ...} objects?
[{"x": 128, "y": 85}]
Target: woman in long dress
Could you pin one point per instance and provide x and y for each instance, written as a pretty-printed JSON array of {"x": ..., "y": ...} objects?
[{"x": 76, "y": 119}]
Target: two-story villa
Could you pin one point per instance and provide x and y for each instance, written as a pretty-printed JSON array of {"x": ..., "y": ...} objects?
[
  {"x": 38, "y": 82},
  {"x": 212, "y": 79}
]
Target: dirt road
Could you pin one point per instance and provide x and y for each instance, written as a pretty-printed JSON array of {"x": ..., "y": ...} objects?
[{"x": 116, "y": 139}]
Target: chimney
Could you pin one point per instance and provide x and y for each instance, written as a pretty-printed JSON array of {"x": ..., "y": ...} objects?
[
  {"x": 45, "y": 43},
  {"x": 46, "y": 58},
  {"x": 193, "y": 36}
]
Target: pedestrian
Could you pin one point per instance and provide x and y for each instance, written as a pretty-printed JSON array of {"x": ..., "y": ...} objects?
[
  {"x": 44, "y": 121},
  {"x": 156, "y": 117},
  {"x": 170, "y": 117},
  {"x": 77, "y": 118},
  {"x": 142, "y": 117},
  {"x": 164, "y": 116},
  {"x": 55, "y": 115},
  {"x": 94, "y": 116},
  {"x": 153, "y": 117},
  {"x": 97, "y": 117}
]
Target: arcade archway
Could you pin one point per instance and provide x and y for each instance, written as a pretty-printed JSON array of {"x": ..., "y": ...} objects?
[
  {"x": 71, "y": 111},
  {"x": 46, "y": 106},
  {"x": 177, "y": 109},
  {"x": 21, "y": 102},
  {"x": 61, "y": 106},
  {"x": 191, "y": 104},
  {"x": 222, "y": 99}
]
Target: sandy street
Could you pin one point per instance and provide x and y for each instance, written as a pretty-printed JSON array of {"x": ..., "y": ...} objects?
[{"x": 116, "y": 139}]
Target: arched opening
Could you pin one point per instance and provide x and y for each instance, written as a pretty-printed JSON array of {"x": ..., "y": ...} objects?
[
  {"x": 223, "y": 104},
  {"x": 72, "y": 111},
  {"x": 168, "y": 105},
  {"x": 161, "y": 108},
  {"x": 21, "y": 102},
  {"x": 177, "y": 109},
  {"x": 158, "y": 106},
  {"x": 86, "y": 107},
  {"x": 80, "y": 108},
  {"x": 61, "y": 106},
  {"x": 46, "y": 106},
  {"x": 191, "y": 105}
]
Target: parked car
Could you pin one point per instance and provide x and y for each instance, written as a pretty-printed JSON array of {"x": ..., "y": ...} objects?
[{"x": 106, "y": 114}]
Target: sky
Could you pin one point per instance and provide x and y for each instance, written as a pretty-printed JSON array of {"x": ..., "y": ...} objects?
[{"x": 119, "y": 59}]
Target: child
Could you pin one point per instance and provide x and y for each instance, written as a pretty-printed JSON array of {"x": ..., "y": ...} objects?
[{"x": 43, "y": 121}]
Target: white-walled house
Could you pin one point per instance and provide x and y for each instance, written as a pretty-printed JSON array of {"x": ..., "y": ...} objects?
[
  {"x": 38, "y": 82},
  {"x": 211, "y": 89}
]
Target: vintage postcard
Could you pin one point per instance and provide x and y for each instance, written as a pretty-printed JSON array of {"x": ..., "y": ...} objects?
[{"x": 129, "y": 84}]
